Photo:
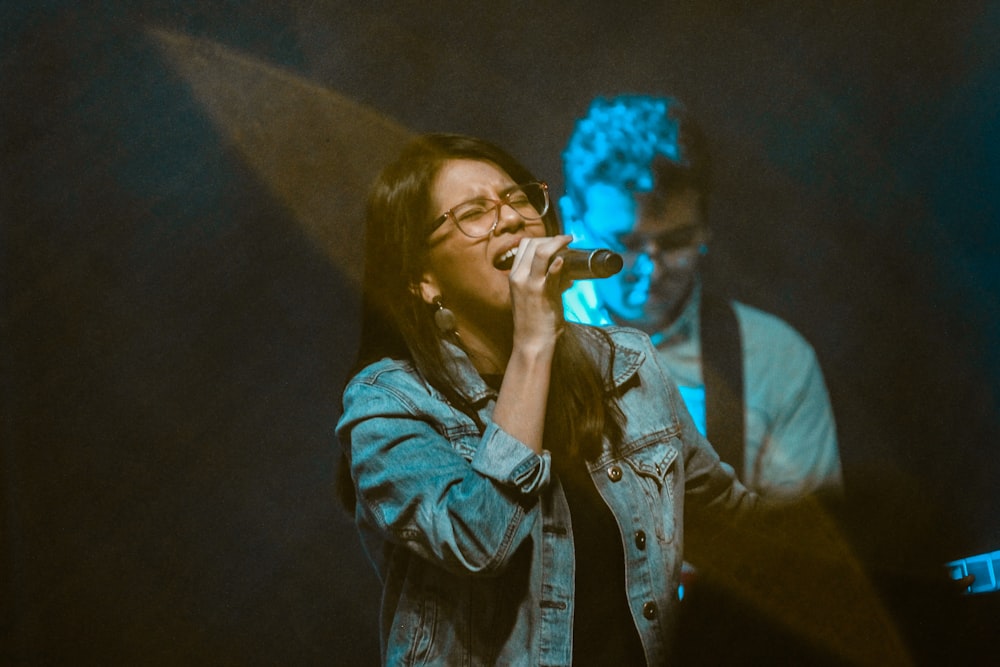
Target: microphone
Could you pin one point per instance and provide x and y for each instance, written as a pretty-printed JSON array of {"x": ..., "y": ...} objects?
[{"x": 580, "y": 264}]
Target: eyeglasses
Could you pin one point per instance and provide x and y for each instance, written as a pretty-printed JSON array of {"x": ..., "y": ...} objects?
[
  {"x": 477, "y": 218},
  {"x": 665, "y": 242}
]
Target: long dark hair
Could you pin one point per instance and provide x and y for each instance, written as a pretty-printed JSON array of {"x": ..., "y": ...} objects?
[{"x": 397, "y": 323}]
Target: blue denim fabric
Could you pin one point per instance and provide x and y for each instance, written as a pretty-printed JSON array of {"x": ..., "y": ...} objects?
[{"x": 470, "y": 532}]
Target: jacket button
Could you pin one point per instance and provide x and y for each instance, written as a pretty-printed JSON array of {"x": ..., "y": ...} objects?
[
  {"x": 640, "y": 540},
  {"x": 649, "y": 610},
  {"x": 614, "y": 473}
]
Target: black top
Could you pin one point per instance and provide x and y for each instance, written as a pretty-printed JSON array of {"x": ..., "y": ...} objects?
[{"x": 604, "y": 632}]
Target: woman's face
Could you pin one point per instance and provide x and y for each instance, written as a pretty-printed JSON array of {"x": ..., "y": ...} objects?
[{"x": 468, "y": 273}]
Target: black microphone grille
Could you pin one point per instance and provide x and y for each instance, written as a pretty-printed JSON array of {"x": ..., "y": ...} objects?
[{"x": 605, "y": 263}]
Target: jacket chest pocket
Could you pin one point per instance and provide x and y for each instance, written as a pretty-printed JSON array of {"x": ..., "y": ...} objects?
[{"x": 654, "y": 468}]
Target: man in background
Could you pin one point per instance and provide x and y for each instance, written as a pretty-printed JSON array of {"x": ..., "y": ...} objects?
[{"x": 638, "y": 180}]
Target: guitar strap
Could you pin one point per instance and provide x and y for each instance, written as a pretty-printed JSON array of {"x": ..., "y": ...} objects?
[{"x": 722, "y": 371}]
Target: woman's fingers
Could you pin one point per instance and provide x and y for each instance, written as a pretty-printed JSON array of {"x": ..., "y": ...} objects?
[
  {"x": 536, "y": 287},
  {"x": 535, "y": 256}
]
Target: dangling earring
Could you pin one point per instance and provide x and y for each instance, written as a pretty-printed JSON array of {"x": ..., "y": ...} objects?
[{"x": 443, "y": 317}]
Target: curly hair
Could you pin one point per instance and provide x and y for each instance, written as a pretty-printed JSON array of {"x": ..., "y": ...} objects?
[{"x": 638, "y": 143}]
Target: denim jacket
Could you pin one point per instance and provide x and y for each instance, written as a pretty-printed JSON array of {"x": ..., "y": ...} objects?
[{"x": 470, "y": 531}]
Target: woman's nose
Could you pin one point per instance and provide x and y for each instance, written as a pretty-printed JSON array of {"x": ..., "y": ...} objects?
[{"x": 508, "y": 220}]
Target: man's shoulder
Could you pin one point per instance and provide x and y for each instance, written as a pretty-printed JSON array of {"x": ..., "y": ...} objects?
[
  {"x": 770, "y": 340},
  {"x": 757, "y": 322}
]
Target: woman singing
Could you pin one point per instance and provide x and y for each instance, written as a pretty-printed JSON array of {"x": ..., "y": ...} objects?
[{"x": 520, "y": 481}]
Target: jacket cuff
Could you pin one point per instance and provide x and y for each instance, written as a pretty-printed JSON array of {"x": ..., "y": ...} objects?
[{"x": 506, "y": 459}]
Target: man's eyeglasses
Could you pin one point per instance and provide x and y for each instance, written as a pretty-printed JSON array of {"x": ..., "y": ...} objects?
[
  {"x": 477, "y": 218},
  {"x": 668, "y": 241}
]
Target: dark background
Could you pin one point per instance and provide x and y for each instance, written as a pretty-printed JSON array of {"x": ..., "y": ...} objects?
[{"x": 179, "y": 308}]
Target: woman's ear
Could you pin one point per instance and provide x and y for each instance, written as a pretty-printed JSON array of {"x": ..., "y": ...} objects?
[{"x": 427, "y": 289}]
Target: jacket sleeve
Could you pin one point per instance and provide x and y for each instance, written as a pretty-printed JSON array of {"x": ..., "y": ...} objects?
[
  {"x": 710, "y": 484},
  {"x": 417, "y": 490},
  {"x": 799, "y": 454}
]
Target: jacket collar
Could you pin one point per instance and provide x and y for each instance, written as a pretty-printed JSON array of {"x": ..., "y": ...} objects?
[{"x": 628, "y": 357}]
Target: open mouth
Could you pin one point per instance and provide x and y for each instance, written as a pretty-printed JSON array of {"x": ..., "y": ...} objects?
[{"x": 505, "y": 261}]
